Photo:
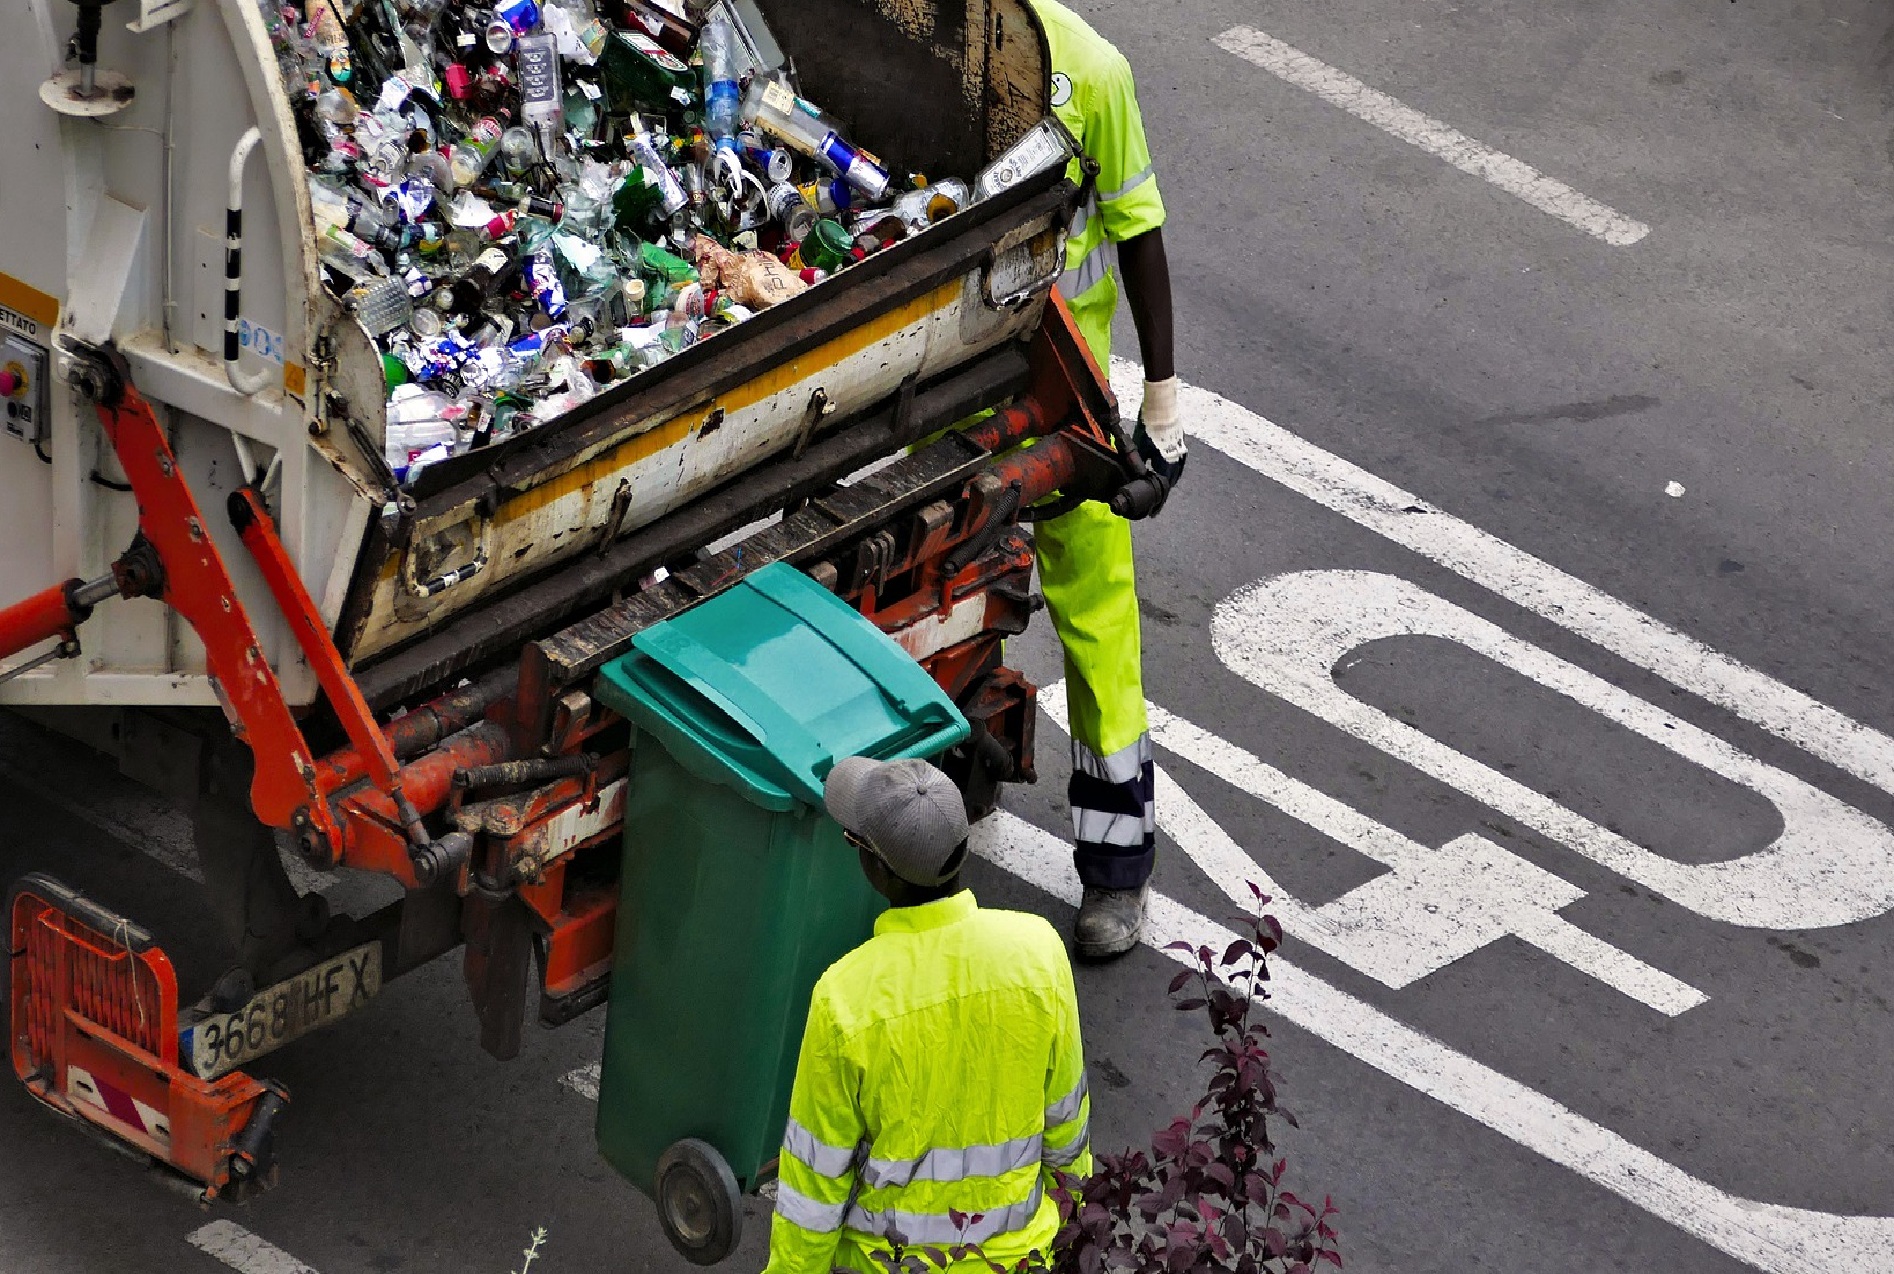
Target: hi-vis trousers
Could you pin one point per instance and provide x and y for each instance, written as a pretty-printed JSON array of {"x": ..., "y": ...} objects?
[
  {"x": 1086, "y": 573},
  {"x": 1091, "y": 588}
]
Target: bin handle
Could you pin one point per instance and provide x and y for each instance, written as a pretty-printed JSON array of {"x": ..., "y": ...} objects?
[
  {"x": 763, "y": 719},
  {"x": 859, "y": 643}
]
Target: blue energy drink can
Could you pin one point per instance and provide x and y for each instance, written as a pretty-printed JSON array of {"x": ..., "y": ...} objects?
[
  {"x": 856, "y": 167},
  {"x": 521, "y": 15},
  {"x": 543, "y": 278}
]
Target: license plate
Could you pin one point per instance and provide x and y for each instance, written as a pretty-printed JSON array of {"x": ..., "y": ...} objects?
[{"x": 278, "y": 1014}]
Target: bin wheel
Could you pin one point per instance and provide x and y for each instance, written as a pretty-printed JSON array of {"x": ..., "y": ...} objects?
[{"x": 699, "y": 1205}]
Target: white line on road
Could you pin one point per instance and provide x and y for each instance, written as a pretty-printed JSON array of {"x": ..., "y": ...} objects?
[
  {"x": 1432, "y": 907},
  {"x": 243, "y": 1251},
  {"x": 1522, "y": 579},
  {"x": 583, "y": 1081},
  {"x": 1829, "y": 865},
  {"x": 1393, "y": 116},
  {"x": 1778, "y": 1239}
]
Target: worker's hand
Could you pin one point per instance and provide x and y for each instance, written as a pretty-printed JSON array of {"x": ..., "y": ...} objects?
[{"x": 1160, "y": 435}]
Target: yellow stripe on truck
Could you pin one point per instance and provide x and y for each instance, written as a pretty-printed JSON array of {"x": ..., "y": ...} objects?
[
  {"x": 25, "y": 299},
  {"x": 748, "y": 394}
]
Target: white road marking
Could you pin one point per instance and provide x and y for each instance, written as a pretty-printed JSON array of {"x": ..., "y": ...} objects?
[
  {"x": 583, "y": 1081},
  {"x": 1395, "y": 117},
  {"x": 243, "y": 1251},
  {"x": 1523, "y": 579},
  {"x": 1429, "y": 909},
  {"x": 1771, "y": 1237},
  {"x": 1830, "y": 865}
]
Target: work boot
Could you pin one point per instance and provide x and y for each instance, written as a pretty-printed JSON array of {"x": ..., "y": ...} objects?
[{"x": 1109, "y": 921}]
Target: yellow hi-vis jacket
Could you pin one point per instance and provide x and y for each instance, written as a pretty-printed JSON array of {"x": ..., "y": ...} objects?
[
  {"x": 1095, "y": 96},
  {"x": 940, "y": 1072}
]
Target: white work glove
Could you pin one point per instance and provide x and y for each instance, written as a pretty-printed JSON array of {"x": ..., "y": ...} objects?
[{"x": 1160, "y": 435}]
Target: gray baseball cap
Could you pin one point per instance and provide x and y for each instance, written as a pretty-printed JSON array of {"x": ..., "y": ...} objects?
[{"x": 910, "y": 814}]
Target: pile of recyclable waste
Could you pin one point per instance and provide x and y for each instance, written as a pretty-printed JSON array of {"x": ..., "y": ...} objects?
[{"x": 527, "y": 204}]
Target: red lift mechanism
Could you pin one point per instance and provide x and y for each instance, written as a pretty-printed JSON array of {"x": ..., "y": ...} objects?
[{"x": 513, "y": 766}]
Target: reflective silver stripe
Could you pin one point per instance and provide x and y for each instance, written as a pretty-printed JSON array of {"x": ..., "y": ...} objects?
[
  {"x": 1084, "y": 276},
  {"x": 826, "y": 1160},
  {"x": 944, "y": 1164},
  {"x": 819, "y": 1218},
  {"x": 1068, "y": 1107},
  {"x": 1126, "y": 765},
  {"x": 1082, "y": 219},
  {"x": 1100, "y": 828},
  {"x": 938, "y": 1227},
  {"x": 1136, "y": 179},
  {"x": 1066, "y": 1156}
]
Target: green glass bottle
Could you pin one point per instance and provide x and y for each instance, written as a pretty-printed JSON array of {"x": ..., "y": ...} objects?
[
  {"x": 636, "y": 201},
  {"x": 828, "y": 246},
  {"x": 641, "y": 75},
  {"x": 664, "y": 266}
]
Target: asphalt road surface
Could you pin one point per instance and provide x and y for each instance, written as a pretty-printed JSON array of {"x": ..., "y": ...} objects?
[{"x": 1522, "y": 622}]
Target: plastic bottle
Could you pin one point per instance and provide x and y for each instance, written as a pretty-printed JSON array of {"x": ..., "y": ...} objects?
[
  {"x": 416, "y": 423},
  {"x": 518, "y": 151},
  {"x": 723, "y": 105},
  {"x": 776, "y": 109},
  {"x": 348, "y": 254},
  {"x": 576, "y": 25},
  {"x": 671, "y": 197},
  {"x": 336, "y": 106},
  {"x": 471, "y": 155}
]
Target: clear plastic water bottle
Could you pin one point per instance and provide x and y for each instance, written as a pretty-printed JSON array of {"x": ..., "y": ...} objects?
[{"x": 723, "y": 105}]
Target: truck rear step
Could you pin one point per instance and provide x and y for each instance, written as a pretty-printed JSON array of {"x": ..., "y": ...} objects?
[{"x": 94, "y": 1035}]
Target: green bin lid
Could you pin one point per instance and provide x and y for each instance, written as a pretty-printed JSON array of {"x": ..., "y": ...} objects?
[{"x": 764, "y": 687}]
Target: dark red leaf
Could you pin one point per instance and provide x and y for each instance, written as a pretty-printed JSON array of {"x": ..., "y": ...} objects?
[
  {"x": 1177, "y": 983},
  {"x": 1331, "y": 1256},
  {"x": 1178, "y": 946},
  {"x": 1185, "y": 1006}
]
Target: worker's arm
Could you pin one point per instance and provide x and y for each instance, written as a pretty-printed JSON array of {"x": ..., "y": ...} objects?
[
  {"x": 1068, "y": 1139},
  {"x": 1133, "y": 214},
  {"x": 817, "y": 1177},
  {"x": 1147, "y": 279}
]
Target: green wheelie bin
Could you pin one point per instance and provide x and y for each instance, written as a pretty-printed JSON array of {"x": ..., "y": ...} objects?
[{"x": 737, "y": 889}]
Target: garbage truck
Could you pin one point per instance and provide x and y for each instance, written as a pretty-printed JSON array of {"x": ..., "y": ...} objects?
[{"x": 214, "y": 576}]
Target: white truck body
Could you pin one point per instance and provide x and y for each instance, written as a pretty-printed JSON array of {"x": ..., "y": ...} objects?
[{"x": 112, "y": 228}]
